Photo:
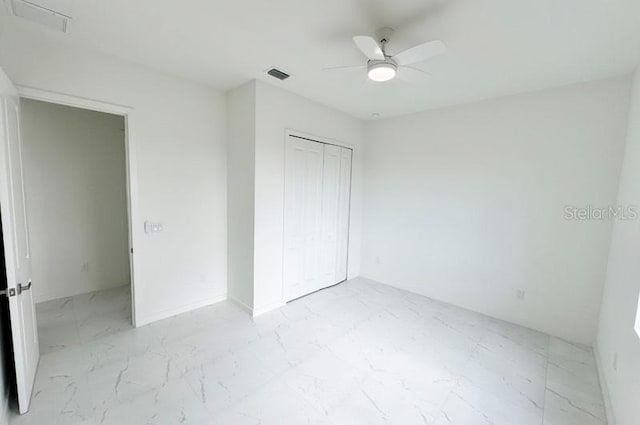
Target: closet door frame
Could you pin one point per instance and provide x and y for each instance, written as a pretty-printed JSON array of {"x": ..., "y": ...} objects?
[{"x": 326, "y": 141}]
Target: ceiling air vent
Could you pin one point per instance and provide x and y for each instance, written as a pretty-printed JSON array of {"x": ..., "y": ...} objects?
[
  {"x": 276, "y": 73},
  {"x": 40, "y": 14}
]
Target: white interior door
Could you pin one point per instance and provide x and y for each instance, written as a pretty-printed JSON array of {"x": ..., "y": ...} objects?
[
  {"x": 330, "y": 214},
  {"x": 344, "y": 208},
  {"x": 15, "y": 233},
  {"x": 317, "y": 199},
  {"x": 303, "y": 201}
]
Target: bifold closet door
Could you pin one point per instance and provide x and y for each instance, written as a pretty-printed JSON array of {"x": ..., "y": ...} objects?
[
  {"x": 344, "y": 206},
  {"x": 303, "y": 213},
  {"x": 330, "y": 215},
  {"x": 317, "y": 193}
]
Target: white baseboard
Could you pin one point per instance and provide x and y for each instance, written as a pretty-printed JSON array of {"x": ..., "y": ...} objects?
[
  {"x": 165, "y": 314},
  {"x": 611, "y": 419},
  {"x": 255, "y": 312},
  {"x": 48, "y": 296},
  {"x": 267, "y": 308},
  {"x": 241, "y": 305}
]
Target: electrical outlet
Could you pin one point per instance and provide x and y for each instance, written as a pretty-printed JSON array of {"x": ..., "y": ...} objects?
[
  {"x": 85, "y": 267},
  {"x": 521, "y": 294}
]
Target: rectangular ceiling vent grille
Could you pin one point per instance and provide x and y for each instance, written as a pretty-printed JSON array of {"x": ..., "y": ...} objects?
[
  {"x": 40, "y": 15},
  {"x": 276, "y": 73}
]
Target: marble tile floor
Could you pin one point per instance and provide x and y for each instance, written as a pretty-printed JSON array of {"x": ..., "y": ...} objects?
[
  {"x": 357, "y": 353},
  {"x": 71, "y": 321}
]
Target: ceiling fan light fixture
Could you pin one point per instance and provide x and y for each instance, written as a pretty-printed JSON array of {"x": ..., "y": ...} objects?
[{"x": 381, "y": 71}]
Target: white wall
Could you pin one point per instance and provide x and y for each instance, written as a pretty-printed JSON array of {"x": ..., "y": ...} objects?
[
  {"x": 466, "y": 204},
  {"x": 179, "y": 133},
  {"x": 622, "y": 289},
  {"x": 241, "y": 110},
  {"x": 276, "y": 111},
  {"x": 74, "y": 166}
]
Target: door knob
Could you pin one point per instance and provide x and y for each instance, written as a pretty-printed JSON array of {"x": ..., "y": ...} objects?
[{"x": 22, "y": 288}]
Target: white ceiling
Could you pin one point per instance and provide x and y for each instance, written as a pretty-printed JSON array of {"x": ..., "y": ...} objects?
[{"x": 496, "y": 47}]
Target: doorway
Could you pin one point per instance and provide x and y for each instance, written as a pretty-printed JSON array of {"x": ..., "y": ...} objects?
[
  {"x": 76, "y": 188},
  {"x": 316, "y": 215}
]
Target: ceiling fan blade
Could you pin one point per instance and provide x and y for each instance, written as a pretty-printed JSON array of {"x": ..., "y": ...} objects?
[
  {"x": 369, "y": 46},
  {"x": 412, "y": 75},
  {"x": 343, "y": 68},
  {"x": 420, "y": 53}
]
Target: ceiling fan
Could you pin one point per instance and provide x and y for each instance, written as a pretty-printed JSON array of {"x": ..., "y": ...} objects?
[{"x": 384, "y": 67}]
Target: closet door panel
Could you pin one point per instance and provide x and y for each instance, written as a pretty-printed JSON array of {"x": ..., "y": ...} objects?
[
  {"x": 312, "y": 215},
  {"x": 294, "y": 194},
  {"x": 344, "y": 208},
  {"x": 303, "y": 197},
  {"x": 330, "y": 212}
]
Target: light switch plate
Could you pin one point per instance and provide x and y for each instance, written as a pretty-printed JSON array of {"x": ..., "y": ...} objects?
[{"x": 151, "y": 227}]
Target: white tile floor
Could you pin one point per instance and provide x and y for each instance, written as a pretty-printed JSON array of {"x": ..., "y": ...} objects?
[
  {"x": 72, "y": 321},
  {"x": 357, "y": 353}
]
